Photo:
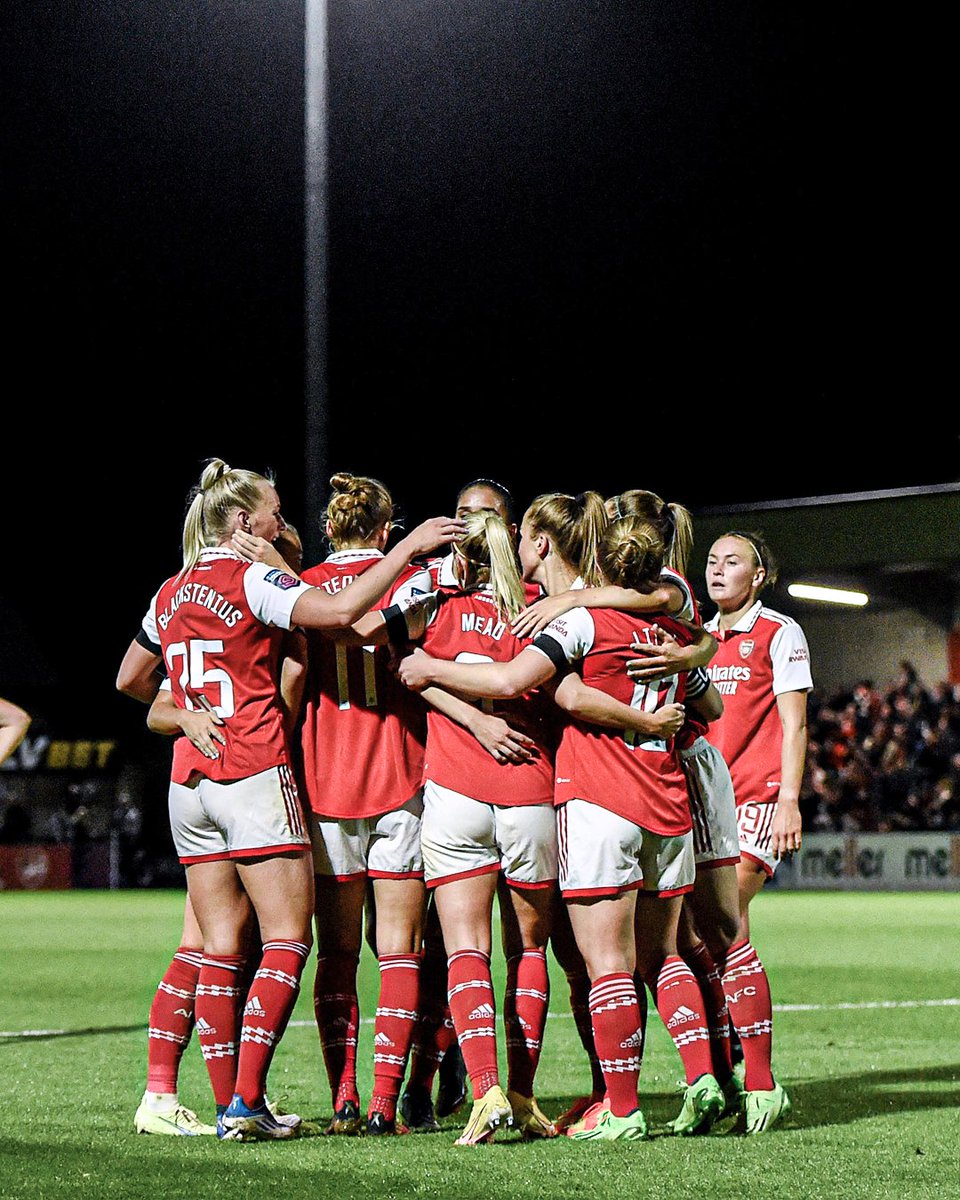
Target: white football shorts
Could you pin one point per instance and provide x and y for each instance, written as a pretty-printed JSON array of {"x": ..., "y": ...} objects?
[
  {"x": 384, "y": 847},
  {"x": 712, "y": 806},
  {"x": 604, "y": 854},
  {"x": 463, "y": 837},
  {"x": 755, "y": 830},
  {"x": 245, "y": 818}
]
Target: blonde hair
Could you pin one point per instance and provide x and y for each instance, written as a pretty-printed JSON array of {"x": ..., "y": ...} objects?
[
  {"x": 673, "y": 521},
  {"x": 762, "y": 554},
  {"x": 359, "y": 508},
  {"x": 630, "y": 554},
  {"x": 487, "y": 553},
  {"x": 222, "y": 490},
  {"x": 574, "y": 525}
]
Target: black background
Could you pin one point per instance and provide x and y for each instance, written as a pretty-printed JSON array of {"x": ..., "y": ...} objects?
[{"x": 572, "y": 245}]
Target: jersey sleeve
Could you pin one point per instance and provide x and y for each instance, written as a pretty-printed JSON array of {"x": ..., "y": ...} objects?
[
  {"x": 408, "y": 611},
  {"x": 147, "y": 636},
  {"x": 419, "y": 584},
  {"x": 272, "y": 593},
  {"x": 791, "y": 660},
  {"x": 566, "y": 639},
  {"x": 688, "y": 609}
]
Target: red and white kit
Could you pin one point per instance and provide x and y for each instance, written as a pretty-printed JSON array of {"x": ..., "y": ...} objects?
[
  {"x": 712, "y": 805},
  {"x": 481, "y": 815},
  {"x": 219, "y": 628},
  {"x": 626, "y": 822},
  {"x": 764, "y": 655},
  {"x": 363, "y": 742}
]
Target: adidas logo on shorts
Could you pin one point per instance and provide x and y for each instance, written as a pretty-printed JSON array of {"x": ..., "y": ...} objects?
[
  {"x": 254, "y": 1008},
  {"x": 682, "y": 1016},
  {"x": 482, "y": 1010}
]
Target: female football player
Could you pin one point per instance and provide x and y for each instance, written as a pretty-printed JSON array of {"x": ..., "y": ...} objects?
[
  {"x": 602, "y": 909},
  {"x": 236, "y": 820},
  {"x": 762, "y": 670}
]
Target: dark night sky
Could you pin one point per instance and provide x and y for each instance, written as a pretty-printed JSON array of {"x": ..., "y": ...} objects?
[{"x": 570, "y": 247}]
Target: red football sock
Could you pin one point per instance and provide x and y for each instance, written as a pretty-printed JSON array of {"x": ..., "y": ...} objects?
[
  {"x": 474, "y": 1016},
  {"x": 748, "y": 996},
  {"x": 218, "y": 1025},
  {"x": 680, "y": 1004},
  {"x": 273, "y": 994},
  {"x": 393, "y": 1029},
  {"x": 524, "y": 1017},
  {"x": 171, "y": 1019},
  {"x": 433, "y": 1032},
  {"x": 700, "y": 961},
  {"x": 579, "y": 984},
  {"x": 618, "y": 1038},
  {"x": 338, "y": 1019}
]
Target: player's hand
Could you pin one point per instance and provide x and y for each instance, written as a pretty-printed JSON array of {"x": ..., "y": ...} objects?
[
  {"x": 257, "y": 549},
  {"x": 669, "y": 719},
  {"x": 661, "y": 657},
  {"x": 414, "y": 670},
  {"x": 540, "y": 613},
  {"x": 502, "y": 743},
  {"x": 433, "y": 533},
  {"x": 786, "y": 835},
  {"x": 202, "y": 730}
]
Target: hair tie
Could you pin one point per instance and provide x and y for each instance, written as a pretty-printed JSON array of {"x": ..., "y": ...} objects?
[{"x": 617, "y": 511}]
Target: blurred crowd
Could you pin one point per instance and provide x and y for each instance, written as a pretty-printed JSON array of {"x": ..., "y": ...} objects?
[{"x": 884, "y": 759}]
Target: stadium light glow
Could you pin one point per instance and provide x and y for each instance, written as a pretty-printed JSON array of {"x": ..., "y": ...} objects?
[{"x": 810, "y": 591}]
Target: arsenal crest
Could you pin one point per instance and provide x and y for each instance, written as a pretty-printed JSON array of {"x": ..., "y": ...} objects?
[{"x": 746, "y": 648}]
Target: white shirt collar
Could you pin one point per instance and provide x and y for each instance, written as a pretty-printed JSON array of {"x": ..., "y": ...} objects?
[
  {"x": 354, "y": 555},
  {"x": 744, "y": 625}
]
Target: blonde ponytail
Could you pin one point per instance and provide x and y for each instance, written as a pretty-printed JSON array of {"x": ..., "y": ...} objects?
[
  {"x": 220, "y": 492},
  {"x": 486, "y": 549}
]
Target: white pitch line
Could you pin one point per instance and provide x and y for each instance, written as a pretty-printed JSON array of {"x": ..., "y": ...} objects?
[{"x": 859, "y": 1006}]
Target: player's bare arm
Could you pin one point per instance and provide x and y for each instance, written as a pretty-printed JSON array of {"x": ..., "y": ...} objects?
[
  {"x": 202, "y": 728},
  {"x": 669, "y": 657},
  {"x": 503, "y": 743},
  {"x": 14, "y": 723},
  {"x": 138, "y": 677},
  {"x": 786, "y": 835},
  {"x": 589, "y": 704},
  {"x": 537, "y": 616},
  {"x": 478, "y": 681}
]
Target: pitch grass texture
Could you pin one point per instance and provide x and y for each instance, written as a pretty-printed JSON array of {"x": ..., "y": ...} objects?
[{"x": 876, "y": 1091}]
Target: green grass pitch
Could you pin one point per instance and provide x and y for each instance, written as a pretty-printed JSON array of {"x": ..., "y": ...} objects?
[{"x": 876, "y": 1090}]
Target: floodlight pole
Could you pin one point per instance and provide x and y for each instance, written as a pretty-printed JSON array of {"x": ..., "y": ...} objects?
[{"x": 316, "y": 232}]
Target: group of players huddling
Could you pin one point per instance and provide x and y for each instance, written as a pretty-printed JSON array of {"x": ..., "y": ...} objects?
[{"x": 539, "y": 716}]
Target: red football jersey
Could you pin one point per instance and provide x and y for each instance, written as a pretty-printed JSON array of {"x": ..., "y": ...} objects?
[
  {"x": 763, "y": 655},
  {"x": 639, "y": 779},
  {"x": 219, "y": 628},
  {"x": 694, "y": 726},
  {"x": 468, "y": 628},
  {"x": 363, "y": 731}
]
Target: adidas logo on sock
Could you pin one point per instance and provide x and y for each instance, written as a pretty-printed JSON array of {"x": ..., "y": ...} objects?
[
  {"x": 254, "y": 1008},
  {"x": 382, "y": 1040},
  {"x": 203, "y": 1027},
  {"x": 635, "y": 1039},
  {"x": 482, "y": 1010},
  {"x": 682, "y": 1016}
]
